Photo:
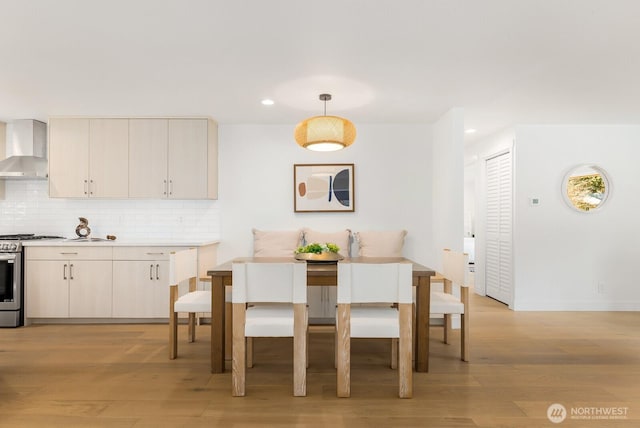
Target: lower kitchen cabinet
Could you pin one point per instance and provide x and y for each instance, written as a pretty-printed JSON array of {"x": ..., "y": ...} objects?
[
  {"x": 90, "y": 289},
  {"x": 140, "y": 289},
  {"x": 68, "y": 288},
  {"x": 47, "y": 289},
  {"x": 141, "y": 282},
  {"x": 120, "y": 282}
]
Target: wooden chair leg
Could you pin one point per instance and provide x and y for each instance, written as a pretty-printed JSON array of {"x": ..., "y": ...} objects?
[
  {"x": 173, "y": 323},
  {"x": 300, "y": 333},
  {"x": 447, "y": 328},
  {"x": 306, "y": 357},
  {"x": 192, "y": 327},
  {"x": 414, "y": 338},
  {"x": 228, "y": 333},
  {"x": 238, "y": 363},
  {"x": 335, "y": 347},
  {"x": 464, "y": 337},
  {"x": 405, "y": 370},
  {"x": 394, "y": 353},
  {"x": 173, "y": 336},
  {"x": 447, "y": 286},
  {"x": 464, "y": 327},
  {"x": 343, "y": 350},
  {"x": 249, "y": 352}
]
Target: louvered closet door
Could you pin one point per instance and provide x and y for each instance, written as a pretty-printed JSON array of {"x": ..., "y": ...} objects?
[{"x": 498, "y": 264}]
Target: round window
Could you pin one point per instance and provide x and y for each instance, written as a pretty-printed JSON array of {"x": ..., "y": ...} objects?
[{"x": 585, "y": 188}]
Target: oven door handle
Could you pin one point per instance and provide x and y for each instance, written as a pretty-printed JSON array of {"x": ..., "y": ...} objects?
[{"x": 11, "y": 258}]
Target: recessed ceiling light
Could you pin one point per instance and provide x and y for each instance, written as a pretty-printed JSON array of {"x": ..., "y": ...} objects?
[
  {"x": 470, "y": 131},
  {"x": 267, "y": 102}
]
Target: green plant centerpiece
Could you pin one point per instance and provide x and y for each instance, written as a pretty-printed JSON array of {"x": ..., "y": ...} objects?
[{"x": 315, "y": 252}]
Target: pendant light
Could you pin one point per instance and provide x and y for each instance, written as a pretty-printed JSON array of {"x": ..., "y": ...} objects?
[{"x": 325, "y": 133}]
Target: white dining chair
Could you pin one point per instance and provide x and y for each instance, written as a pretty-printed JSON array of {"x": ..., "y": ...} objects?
[
  {"x": 374, "y": 283},
  {"x": 183, "y": 266},
  {"x": 454, "y": 273},
  {"x": 269, "y": 300}
]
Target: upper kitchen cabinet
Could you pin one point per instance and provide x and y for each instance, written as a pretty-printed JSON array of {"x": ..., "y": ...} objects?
[
  {"x": 173, "y": 158},
  {"x": 68, "y": 158},
  {"x": 88, "y": 158},
  {"x": 148, "y": 142},
  {"x": 193, "y": 159},
  {"x": 108, "y": 158}
]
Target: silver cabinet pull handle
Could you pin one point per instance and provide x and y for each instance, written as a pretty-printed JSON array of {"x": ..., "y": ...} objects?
[
  {"x": 75, "y": 254},
  {"x": 151, "y": 272},
  {"x": 91, "y": 187},
  {"x": 157, "y": 272},
  {"x": 71, "y": 271},
  {"x": 64, "y": 271},
  {"x": 155, "y": 254},
  {"x": 86, "y": 187},
  {"x": 171, "y": 187},
  {"x": 164, "y": 186}
]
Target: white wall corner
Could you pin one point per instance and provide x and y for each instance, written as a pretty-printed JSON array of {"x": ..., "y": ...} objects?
[{"x": 448, "y": 182}]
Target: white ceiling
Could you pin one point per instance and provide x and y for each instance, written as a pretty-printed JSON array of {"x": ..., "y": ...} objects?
[{"x": 384, "y": 61}]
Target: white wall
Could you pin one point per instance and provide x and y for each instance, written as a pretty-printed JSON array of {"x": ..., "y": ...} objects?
[
  {"x": 561, "y": 255},
  {"x": 469, "y": 197},
  {"x": 448, "y": 183},
  {"x": 393, "y": 184}
]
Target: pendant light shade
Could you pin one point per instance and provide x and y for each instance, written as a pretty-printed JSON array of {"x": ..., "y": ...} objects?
[{"x": 325, "y": 133}]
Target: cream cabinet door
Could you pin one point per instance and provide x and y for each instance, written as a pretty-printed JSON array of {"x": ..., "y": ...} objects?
[
  {"x": 140, "y": 289},
  {"x": 160, "y": 292},
  {"x": 69, "y": 158},
  {"x": 188, "y": 158},
  {"x": 109, "y": 158},
  {"x": 315, "y": 302},
  {"x": 322, "y": 301},
  {"x": 90, "y": 288},
  {"x": 148, "y": 140},
  {"x": 47, "y": 289}
]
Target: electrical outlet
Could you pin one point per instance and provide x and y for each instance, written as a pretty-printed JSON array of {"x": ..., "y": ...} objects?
[{"x": 601, "y": 287}]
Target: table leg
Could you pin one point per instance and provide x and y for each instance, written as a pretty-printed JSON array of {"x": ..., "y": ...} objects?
[
  {"x": 423, "y": 300},
  {"x": 217, "y": 324}
]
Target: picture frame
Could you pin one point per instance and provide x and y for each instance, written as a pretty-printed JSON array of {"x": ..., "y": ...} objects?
[{"x": 323, "y": 188}]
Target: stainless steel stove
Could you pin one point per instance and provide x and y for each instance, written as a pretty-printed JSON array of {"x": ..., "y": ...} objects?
[{"x": 12, "y": 278}]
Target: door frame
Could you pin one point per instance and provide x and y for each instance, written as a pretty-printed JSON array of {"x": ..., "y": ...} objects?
[{"x": 481, "y": 207}]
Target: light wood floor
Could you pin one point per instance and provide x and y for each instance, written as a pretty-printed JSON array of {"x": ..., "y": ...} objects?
[{"x": 521, "y": 363}]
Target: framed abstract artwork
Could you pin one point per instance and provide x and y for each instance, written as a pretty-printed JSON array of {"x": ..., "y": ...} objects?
[{"x": 323, "y": 188}]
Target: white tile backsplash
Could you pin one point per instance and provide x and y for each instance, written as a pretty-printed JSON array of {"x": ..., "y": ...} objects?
[{"x": 27, "y": 208}]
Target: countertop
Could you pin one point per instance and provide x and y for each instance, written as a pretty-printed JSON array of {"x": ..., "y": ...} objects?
[{"x": 119, "y": 243}]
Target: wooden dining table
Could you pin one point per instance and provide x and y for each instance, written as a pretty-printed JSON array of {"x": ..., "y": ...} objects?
[{"x": 318, "y": 274}]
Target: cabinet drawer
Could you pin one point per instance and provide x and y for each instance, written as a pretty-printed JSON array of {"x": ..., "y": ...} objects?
[
  {"x": 144, "y": 253},
  {"x": 69, "y": 253}
]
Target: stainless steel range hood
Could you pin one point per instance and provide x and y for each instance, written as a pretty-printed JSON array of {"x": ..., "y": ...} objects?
[{"x": 26, "y": 151}]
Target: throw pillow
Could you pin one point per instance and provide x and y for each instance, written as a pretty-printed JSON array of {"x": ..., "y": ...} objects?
[
  {"x": 381, "y": 243},
  {"x": 276, "y": 243}
]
